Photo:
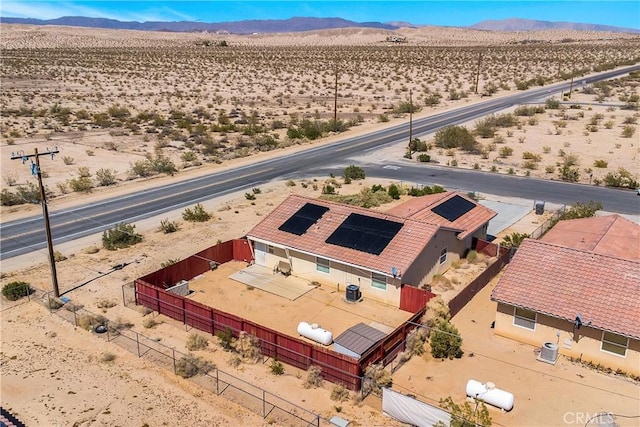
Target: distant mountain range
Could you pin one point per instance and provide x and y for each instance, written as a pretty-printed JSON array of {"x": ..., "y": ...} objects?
[{"x": 296, "y": 25}]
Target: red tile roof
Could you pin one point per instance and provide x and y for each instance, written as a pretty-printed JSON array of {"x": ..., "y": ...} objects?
[
  {"x": 607, "y": 235},
  {"x": 401, "y": 252},
  {"x": 419, "y": 208},
  {"x": 563, "y": 282}
]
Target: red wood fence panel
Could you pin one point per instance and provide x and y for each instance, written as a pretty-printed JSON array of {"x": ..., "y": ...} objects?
[{"x": 413, "y": 299}]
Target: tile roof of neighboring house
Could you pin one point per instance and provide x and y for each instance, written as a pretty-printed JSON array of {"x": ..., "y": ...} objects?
[
  {"x": 563, "y": 282},
  {"x": 400, "y": 253},
  {"x": 359, "y": 338},
  {"x": 420, "y": 208},
  {"x": 606, "y": 235}
]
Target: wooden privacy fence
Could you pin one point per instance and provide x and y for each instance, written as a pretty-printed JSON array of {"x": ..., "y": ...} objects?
[
  {"x": 336, "y": 367},
  {"x": 201, "y": 262},
  {"x": 464, "y": 296},
  {"x": 413, "y": 299}
]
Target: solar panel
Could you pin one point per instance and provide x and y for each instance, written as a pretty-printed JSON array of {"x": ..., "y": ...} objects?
[
  {"x": 364, "y": 233},
  {"x": 453, "y": 208},
  {"x": 304, "y": 218}
]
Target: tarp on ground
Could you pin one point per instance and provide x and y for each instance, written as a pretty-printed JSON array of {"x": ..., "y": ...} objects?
[{"x": 411, "y": 411}]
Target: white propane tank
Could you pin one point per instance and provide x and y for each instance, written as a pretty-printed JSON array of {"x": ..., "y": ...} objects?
[
  {"x": 316, "y": 333},
  {"x": 489, "y": 394}
]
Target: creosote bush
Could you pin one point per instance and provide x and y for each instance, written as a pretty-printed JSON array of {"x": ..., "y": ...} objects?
[
  {"x": 121, "y": 236},
  {"x": 276, "y": 368},
  {"x": 353, "y": 172},
  {"x": 314, "y": 377},
  {"x": 15, "y": 290},
  {"x": 339, "y": 393},
  {"x": 197, "y": 342},
  {"x": 376, "y": 377},
  {"x": 196, "y": 214},
  {"x": 189, "y": 366},
  {"x": 169, "y": 226},
  {"x": 446, "y": 341}
]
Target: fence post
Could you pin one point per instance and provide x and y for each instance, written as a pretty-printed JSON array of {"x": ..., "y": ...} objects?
[
  {"x": 75, "y": 316},
  {"x": 217, "y": 383},
  {"x": 107, "y": 325},
  {"x": 124, "y": 302},
  {"x": 138, "y": 344},
  {"x": 175, "y": 370},
  {"x": 264, "y": 408}
]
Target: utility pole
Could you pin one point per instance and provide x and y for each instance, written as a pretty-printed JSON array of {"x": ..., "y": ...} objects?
[
  {"x": 35, "y": 170},
  {"x": 478, "y": 71},
  {"x": 335, "y": 103},
  {"x": 410, "y": 121}
]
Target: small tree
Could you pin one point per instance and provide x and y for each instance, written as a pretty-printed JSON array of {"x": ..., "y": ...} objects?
[
  {"x": 121, "y": 236},
  {"x": 197, "y": 214},
  {"x": 455, "y": 137},
  {"x": 105, "y": 177},
  {"x": 446, "y": 341},
  {"x": 394, "y": 191},
  {"x": 514, "y": 239},
  {"x": 581, "y": 210}
]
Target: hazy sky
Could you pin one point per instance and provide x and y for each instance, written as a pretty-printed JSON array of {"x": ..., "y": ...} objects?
[{"x": 452, "y": 13}]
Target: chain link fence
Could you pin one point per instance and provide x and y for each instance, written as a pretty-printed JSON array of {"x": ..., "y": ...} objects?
[{"x": 271, "y": 407}]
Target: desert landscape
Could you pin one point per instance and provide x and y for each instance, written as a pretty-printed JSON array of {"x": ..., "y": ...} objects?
[{"x": 128, "y": 110}]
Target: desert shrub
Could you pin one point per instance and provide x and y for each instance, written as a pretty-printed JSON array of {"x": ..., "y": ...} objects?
[
  {"x": 383, "y": 118},
  {"x": 225, "y": 339},
  {"x": 568, "y": 174},
  {"x": 105, "y": 177},
  {"x": 189, "y": 366},
  {"x": 376, "y": 377},
  {"x": 15, "y": 290},
  {"x": 339, "y": 393},
  {"x": 486, "y": 127},
  {"x": 505, "y": 152},
  {"x": 196, "y": 342},
  {"x": 552, "y": 104},
  {"x": 621, "y": 178},
  {"x": 394, "y": 191},
  {"x": 249, "y": 196},
  {"x": 514, "y": 239},
  {"x": 149, "y": 322},
  {"x": 424, "y": 158},
  {"x": 328, "y": 189},
  {"x": 89, "y": 321},
  {"x": 415, "y": 342},
  {"x": 82, "y": 184},
  {"x": 425, "y": 190},
  {"x": 446, "y": 341},
  {"x": 405, "y": 107},
  {"x": 107, "y": 357},
  {"x": 527, "y": 155},
  {"x": 196, "y": 214},
  {"x": 528, "y": 110},
  {"x": 68, "y": 160},
  {"x": 600, "y": 164},
  {"x": 455, "y": 137},
  {"x": 247, "y": 347},
  {"x": 169, "y": 226},
  {"x": 628, "y": 131},
  {"x": 276, "y": 368},
  {"x": 167, "y": 263},
  {"x": 121, "y": 236},
  {"x": 467, "y": 415},
  {"x": 581, "y": 210},
  {"x": 314, "y": 377},
  {"x": 353, "y": 172},
  {"x": 105, "y": 303}
]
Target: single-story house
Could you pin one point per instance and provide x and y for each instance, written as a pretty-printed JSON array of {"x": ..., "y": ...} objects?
[
  {"x": 341, "y": 245},
  {"x": 577, "y": 287}
]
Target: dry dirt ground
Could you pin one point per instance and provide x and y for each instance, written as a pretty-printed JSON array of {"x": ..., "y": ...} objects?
[{"x": 52, "y": 96}]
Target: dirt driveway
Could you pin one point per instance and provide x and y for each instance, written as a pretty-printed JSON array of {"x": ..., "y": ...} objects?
[{"x": 545, "y": 395}]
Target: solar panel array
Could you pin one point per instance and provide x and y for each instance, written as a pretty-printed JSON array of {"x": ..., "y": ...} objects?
[
  {"x": 453, "y": 208},
  {"x": 365, "y": 233},
  {"x": 304, "y": 218}
]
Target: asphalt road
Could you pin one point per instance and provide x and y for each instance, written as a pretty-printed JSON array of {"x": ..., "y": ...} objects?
[{"x": 26, "y": 235}]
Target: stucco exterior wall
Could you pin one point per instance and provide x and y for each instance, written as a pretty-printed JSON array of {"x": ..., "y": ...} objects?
[
  {"x": 584, "y": 343},
  {"x": 427, "y": 264},
  {"x": 340, "y": 275}
]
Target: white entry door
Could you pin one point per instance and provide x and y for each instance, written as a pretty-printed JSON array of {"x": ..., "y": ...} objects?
[{"x": 260, "y": 254}]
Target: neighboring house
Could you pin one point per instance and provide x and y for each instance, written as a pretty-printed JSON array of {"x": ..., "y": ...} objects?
[
  {"x": 381, "y": 252},
  {"x": 579, "y": 287}
]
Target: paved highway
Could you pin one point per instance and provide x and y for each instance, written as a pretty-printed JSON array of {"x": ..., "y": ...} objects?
[{"x": 26, "y": 235}]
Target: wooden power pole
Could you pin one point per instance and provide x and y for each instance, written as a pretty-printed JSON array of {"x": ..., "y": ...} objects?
[
  {"x": 35, "y": 170},
  {"x": 335, "y": 103},
  {"x": 410, "y": 121}
]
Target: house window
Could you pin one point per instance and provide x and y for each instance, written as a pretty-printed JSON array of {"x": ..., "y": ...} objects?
[
  {"x": 614, "y": 343},
  {"x": 379, "y": 281},
  {"x": 524, "y": 318},
  {"x": 270, "y": 249},
  {"x": 443, "y": 256},
  {"x": 322, "y": 265}
]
